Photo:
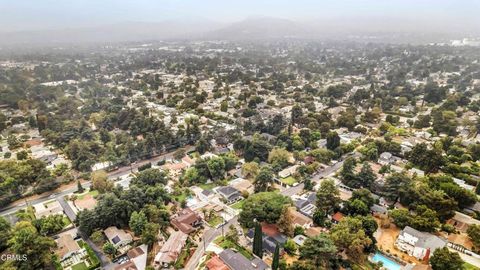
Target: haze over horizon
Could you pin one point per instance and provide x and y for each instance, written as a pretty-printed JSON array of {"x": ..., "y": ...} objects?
[{"x": 117, "y": 20}]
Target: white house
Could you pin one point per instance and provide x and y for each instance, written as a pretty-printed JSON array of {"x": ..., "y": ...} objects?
[
  {"x": 420, "y": 245},
  {"x": 288, "y": 171},
  {"x": 117, "y": 237}
]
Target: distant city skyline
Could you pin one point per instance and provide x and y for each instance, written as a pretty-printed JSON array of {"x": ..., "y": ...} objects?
[{"x": 26, "y": 15}]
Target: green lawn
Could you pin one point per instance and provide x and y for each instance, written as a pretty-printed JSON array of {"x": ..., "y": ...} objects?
[
  {"x": 180, "y": 263},
  {"x": 93, "y": 193},
  {"x": 238, "y": 205},
  {"x": 80, "y": 266},
  {"x": 467, "y": 266},
  {"x": 181, "y": 197},
  {"x": 289, "y": 180},
  {"x": 213, "y": 222},
  {"x": 66, "y": 221},
  {"x": 225, "y": 243},
  {"x": 209, "y": 186}
]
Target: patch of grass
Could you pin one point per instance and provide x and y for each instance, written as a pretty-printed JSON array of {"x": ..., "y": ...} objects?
[
  {"x": 80, "y": 266},
  {"x": 180, "y": 197},
  {"x": 216, "y": 220},
  {"x": 209, "y": 186},
  {"x": 467, "y": 266},
  {"x": 92, "y": 257},
  {"x": 238, "y": 205},
  {"x": 225, "y": 243},
  {"x": 93, "y": 193},
  {"x": 182, "y": 259},
  {"x": 289, "y": 180},
  {"x": 66, "y": 221}
]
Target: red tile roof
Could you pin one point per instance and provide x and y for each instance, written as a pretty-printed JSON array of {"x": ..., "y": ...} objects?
[
  {"x": 216, "y": 264},
  {"x": 337, "y": 216}
]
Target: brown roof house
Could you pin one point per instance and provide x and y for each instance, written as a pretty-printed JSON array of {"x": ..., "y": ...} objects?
[
  {"x": 67, "y": 247},
  {"x": 461, "y": 221},
  {"x": 186, "y": 220},
  {"x": 170, "y": 250}
]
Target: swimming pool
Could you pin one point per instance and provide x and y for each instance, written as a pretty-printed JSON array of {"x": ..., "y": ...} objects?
[{"x": 387, "y": 262}]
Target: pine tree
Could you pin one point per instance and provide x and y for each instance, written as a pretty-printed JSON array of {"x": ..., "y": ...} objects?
[
  {"x": 257, "y": 241},
  {"x": 79, "y": 187},
  {"x": 276, "y": 258}
]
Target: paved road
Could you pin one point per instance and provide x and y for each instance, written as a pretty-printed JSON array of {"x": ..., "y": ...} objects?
[
  {"x": 207, "y": 238},
  {"x": 14, "y": 207},
  {"x": 134, "y": 166},
  {"x": 467, "y": 258}
]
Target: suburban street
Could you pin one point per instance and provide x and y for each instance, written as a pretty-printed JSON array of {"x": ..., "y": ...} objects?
[
  {"x": 207, "y": 238},
  {"x": 316, "y": 177},
  {"x": 15, "y": 206}
]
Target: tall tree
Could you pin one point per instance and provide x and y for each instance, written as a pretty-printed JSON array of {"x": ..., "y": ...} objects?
[
  {"x": 276, "y": 257},
  {"x": 473, "y": 232},
  {"x": 4, "y": 233},
  {"x": 333, "y": 140},
  {"x": 258, "y": 240},
  {"x": 443, "y": 259},
  {"x": 350, "y": 236},
  {"x": 319, "y": 249},
  {"x": 348, "y": 174},
  {"x": 26, "y": 240},
  {"x": 285, "y": 223},
  {"x": 101, "y": 182},
  {"x": 150, "y": 233},
  {"x": 137, "y": 223},
  {"x": 366, "y": 177},
  {"x": 264, "y": 179},
  {"x": 328, "y": 197}
]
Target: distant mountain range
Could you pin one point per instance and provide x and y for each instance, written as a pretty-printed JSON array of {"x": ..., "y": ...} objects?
[{"x": 253, "y": 28}]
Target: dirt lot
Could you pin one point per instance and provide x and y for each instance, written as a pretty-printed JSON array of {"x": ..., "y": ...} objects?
[{"x": 386, "y": 242}]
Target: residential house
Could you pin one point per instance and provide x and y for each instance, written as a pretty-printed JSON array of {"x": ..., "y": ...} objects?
[
  {"x": 377, "y": 209},
  {"x": 271, "y": 237},
  {"x": 386, "y": 158},
  {"x": 118, "y": 237},
  {"x": 229, "y": 194},
  {"x": 475, "y": 208},
  {"x": 287, "y": 171},
  {"x": 299, "y": 219},
  {"x": 242, "y": 185},
  {"x": 337, "y": 217},
  {"x": 48, "y": 208},
  {"x": 299, "y": 239},
  {"x": 67, "y": 247},
  {"x": 347, "y": 138},
  {"x": 137, "y": 259},
  {"x": 170, "y": 250},
  {"x": 306, "y": 204},
  {"x": 420, "y": 245},
  {"x": 236, "y": 261},
  {"x": 101, "y": 165},
  {"x": 461, "y": 222},
  {"x": 186, "y": 220},
  {"x": 463, "y": 184},
  {"x": 215, "y": 263}
]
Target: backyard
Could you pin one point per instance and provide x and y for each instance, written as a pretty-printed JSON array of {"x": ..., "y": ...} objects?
[
  {"x": 289, "y": 181},
  {"x": 225, "y": 243},
  {"x": 80, "y": 266},
  {"x": 238, "y": 205}
]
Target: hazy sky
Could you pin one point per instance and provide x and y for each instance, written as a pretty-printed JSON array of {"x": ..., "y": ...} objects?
[{"x": 54, "y": 14}]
